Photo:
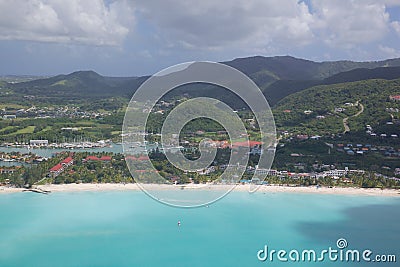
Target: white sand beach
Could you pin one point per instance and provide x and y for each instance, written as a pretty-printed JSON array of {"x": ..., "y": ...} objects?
[{"x": 238, "y": 188}]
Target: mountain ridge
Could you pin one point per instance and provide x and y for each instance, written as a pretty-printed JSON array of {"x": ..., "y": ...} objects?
[{"x": 277, "y": 77}]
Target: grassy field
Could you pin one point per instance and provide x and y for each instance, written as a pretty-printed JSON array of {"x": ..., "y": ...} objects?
[
  {"x": 26, "y": 130},
  {"x": 115, "y": 132},
  {"x": 85, "y": 122},
  {"x": 7, "y": 128},
  {"x": 11, "y": 106},
  {"x": 48, "y": 128},
  {"x": 62, "y": 82}
]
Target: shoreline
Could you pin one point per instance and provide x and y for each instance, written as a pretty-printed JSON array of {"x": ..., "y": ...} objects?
[{"x": 239, "y": 188}]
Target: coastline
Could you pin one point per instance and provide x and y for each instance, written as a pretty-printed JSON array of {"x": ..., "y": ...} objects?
[{"x": 239, "y": 188}]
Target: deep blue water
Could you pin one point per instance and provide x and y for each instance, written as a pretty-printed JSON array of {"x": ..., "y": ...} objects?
[{"x": 130, "y": 229}]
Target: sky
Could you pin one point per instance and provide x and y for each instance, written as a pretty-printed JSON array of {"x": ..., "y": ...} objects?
[{"x": 141, "y": 37}]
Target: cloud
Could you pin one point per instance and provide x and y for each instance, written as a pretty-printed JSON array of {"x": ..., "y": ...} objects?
[
  {"x": 396, "y": 26},
  {"x": 267, "y": 25},
  {"x": 73, "y": 21},
  {"x": 210, "y": 24},
  {"x": 348, "y": 23},
  {"x": 178, "y": 29},
  {"x": 390, "y": 3},
  {"x": 389, "y": 51}
]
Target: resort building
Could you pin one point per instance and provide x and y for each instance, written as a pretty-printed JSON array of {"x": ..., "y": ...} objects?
[
  {"x": 60, "y": 167},
  {"x": 56, "y": 170},
  {"x": 394, "y": 97},
  {"x": 9, "y": 117},
  {"x": 266, "y": 172},
  {"x": 39, "y": 142},
  {"x": 95, "y": 158},
  {"x": 340, "y": 173},
  {"x": 335, "y": 173},
  {"x": 6, "y": 170},
  {"x": 140, "y": 158},
  {"x": 206, "y": 171},
  {"x": 250, "y": 144}
]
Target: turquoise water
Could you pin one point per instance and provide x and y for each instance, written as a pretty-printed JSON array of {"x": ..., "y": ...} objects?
[{"x": 130, "y": 229}]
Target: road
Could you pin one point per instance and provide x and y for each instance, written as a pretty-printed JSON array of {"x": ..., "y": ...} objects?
[{"x": 345, "y": 123}]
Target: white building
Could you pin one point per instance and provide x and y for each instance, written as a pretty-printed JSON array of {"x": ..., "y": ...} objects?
[
  {"x": 335, "y": 173},
  {"x": 39, "y": 142},
  {"x": 9, "y": 117},
  {"x": 266, "y": 171}
]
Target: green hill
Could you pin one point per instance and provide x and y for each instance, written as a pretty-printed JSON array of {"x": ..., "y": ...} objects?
[
  {"x": 387, "y": 73},
  {"x": 321, "y": 109},
  {"x": 278, "y": 77},
  {"x": 282, "y": 88},
  {"x": 283, "y": 75},
  {"x": 75, "y": 85}
]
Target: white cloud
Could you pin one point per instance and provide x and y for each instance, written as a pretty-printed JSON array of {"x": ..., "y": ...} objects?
[
  {"x": 389, "y": 51},
  {"x": 73, "y": 21},
  {"x": 177, "y": 28},
  {"x": 214, "y": 24},
  {"x": 347, "y": 23},
  {"x": 391, "y": 3},
  {"x": 269, "y": 26},
  {"x": 396, "y": 26}
]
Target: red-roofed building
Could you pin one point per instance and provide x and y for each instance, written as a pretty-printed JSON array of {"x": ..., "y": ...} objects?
[
  {"x": 57, "y": 169},
  {"x": 247, "y": 144},
  {"x": 141, "y": 158},
  {"x": 60, "y": 167},
  {"x": 105, "y": 158},
  {"x": 68, "y": 161},
  {"x": 95, "y": 158},
  {"x": 91, "y": 158},
  {"x": 394, "y": 97}
]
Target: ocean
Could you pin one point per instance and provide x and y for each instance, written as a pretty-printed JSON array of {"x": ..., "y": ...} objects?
[{"x": 131, "y": 229}]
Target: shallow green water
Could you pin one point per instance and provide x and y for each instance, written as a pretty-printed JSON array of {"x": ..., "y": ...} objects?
[{"x": 130, "y": 229}]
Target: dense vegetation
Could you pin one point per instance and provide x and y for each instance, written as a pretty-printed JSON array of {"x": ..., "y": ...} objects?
[
  {"x": 322, "y": 100},
  {"x": 313, "y": 155}
]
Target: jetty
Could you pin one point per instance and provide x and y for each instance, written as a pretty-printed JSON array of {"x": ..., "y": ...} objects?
[{"x": 37, "y": 190}]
